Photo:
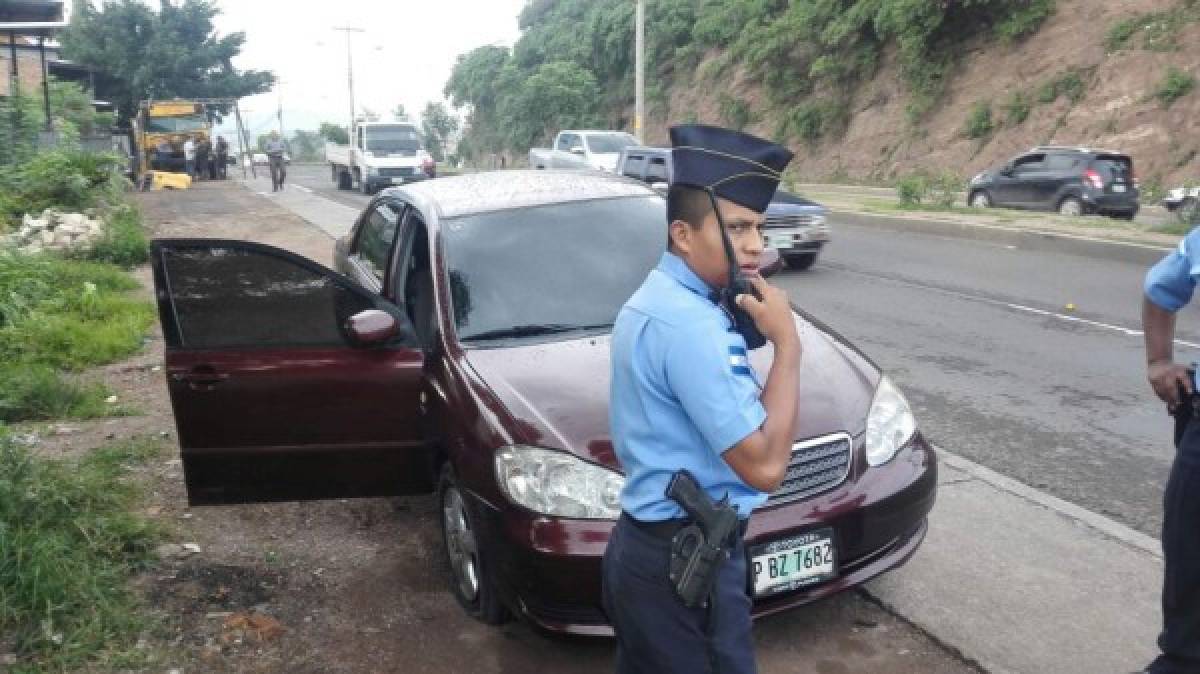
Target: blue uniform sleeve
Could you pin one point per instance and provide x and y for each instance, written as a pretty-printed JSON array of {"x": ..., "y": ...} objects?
[
  {"x": 708, "y": 371},
  {"x": 1171, "y": 282}
]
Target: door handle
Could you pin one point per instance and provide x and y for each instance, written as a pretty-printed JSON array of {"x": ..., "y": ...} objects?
[{"x": 201, "y": 377}]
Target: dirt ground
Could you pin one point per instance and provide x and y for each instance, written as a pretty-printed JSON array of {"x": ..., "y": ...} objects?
[{"x": 361, "y": 585}]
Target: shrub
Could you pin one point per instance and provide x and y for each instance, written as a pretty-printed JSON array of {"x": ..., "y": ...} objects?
[
  {"x": 1120, "y": 33},
  {"x": 69, "y": 541},
  {"x": 1024, "y": 19},
  {"x": 1174, "y": 85},
  {"x": 734, "y": 111},
  {"x": 1069, "y": 84},
  {"x": 37, "y": 392},
  {"x": 1016, "y": 108},
  {"x": 979, "y": 121},
  {"x": 944, "y": 188},
  {"x": 124, "y": 241},
  {"x": 912, "y": 189},
  {"x": 64, "y": 180}
]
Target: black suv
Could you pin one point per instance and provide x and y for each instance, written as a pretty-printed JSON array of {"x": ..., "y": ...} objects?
[{"x": 1070, "y": 180}]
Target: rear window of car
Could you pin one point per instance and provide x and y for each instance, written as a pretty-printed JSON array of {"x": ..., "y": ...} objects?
[
  {"x": 1114, "y": 167},
  {"x": 570, "y": 264}
]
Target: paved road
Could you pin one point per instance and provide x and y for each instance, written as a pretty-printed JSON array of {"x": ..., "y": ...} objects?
[{"x": 999, "y": 370}]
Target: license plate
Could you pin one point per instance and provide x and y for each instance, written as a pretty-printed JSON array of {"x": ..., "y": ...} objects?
[
  {"x": 397, "y": 181},
  {"x": 792, "y": 563},
  {"x": 779, "y": 240},
  {"x": 1118, "y": 188}
]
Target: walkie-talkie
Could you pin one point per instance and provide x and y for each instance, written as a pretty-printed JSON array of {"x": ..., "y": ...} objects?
[{"x": 738, "y": 284}]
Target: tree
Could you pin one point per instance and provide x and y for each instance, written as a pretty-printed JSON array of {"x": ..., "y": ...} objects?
[
  {"x": 438, "y": 125},
  {"x": 306, "y": 145},
  {"x": 174, "y": 52},
  {"x": 558, "y": 95},
  {"x": 399, "y": 114},
  {"x": 334, "y": 133}
]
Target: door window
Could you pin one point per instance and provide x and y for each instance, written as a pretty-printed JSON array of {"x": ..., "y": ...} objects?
[
  {"x": 567, "y": 141},
  {"x": 1061, "y": 162},
  {"x": 245, "y": 295},
  {"x": 375, "y": 238},
  {"x": 1029, "y": 163}
]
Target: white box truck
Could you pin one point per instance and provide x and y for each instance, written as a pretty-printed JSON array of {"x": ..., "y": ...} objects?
[{"x": 379, "y": 154}]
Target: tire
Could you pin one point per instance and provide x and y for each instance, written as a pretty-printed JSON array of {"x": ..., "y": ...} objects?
[
  {"x": 980, "y": 199},
  {"x": 344, "y": 181},
  {"x": 1070, "y": 206},
  {"x": 468, "y": 562},
  {"x": 1188, "y": 211},
  {"x": 800, "y": 261}
]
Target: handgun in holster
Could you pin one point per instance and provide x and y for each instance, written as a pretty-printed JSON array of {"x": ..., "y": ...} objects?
[
  {"x": 699, "y": 548},
  {"x": 1185, "y": 410}
]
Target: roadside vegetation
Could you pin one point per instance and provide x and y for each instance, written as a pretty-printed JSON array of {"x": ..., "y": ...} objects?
[
  {"x": 68, "y": 540},
  {"x": 573, "y": 64},
  {"x": 924, "y": 191},
  {"x": 1174, "y": 85},
  {"x": 1152, "y": 31}
]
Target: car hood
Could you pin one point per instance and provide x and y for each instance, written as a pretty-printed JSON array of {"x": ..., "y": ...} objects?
[
  {"x": 556, "y": 394},
  {"x": 606, "y": 161}
]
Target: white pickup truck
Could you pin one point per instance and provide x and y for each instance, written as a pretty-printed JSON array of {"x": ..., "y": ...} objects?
[
  {"x": 582, "y": 150},
  {"x": 381, "y": 154}
]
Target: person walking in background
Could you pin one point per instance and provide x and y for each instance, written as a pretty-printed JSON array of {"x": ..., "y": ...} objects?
[
  {"x": 189, "y": 157},
  {"x": 275, "y": 151},
  {"x": 203, "y": 151},
  {"x": 1168, "y": 288},
  {"x": 222, "y": 157}
]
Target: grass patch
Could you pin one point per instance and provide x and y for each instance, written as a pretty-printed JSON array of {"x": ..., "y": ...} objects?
[
  {"x": 979, "y": 122},
  {"x": 124, "y": 242},
  {"x": 1067, "y": 84},
  {"x": 69, "y": 542},
  {"x": 1152, "y": 31},
  {"x": 1016, "y": 108},
  {"x": 1174, "y": 85},
  {"x": 37, "y": 393}
]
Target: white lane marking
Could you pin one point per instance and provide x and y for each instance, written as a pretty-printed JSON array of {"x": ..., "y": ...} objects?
[
  {"x": 1129, "y": 332},
  {"x": 302, "y": 188}
]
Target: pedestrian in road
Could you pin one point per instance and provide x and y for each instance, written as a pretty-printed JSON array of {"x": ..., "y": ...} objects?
[
  {"x": 203, "y": 150},
  {"x": 222, "y": 157},
  {"x": 685, "y": 398},
  {"x": 275, "y": 150},
  {"x": 189, "y": 156},
  {"x": 1169, "y": 287}
]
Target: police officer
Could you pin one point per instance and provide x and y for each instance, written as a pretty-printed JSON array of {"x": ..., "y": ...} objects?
[
  {"x": 685, "y": 397},
  {"x": 1169, "y": 286},
  {"x": 276, "y": 148}
]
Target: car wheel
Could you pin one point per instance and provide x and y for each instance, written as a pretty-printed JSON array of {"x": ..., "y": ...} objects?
[
  {"x": 981, "y": 200},
  {"x": 468, "y": 558},
  {"x": 1188, "y": 211},
  {"x": 800, "y": 261},
  {"x": 1070, "y": 206}
]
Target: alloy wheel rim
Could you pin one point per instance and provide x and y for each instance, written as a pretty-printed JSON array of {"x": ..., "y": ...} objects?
[
  {"x": 460, "y": 544},
  {"x": 980, "y": 201},
  {"x": 1071, "y": 208}
]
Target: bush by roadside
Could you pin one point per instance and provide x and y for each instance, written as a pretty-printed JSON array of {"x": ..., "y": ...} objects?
[
  {"x": 69, "y": 541},
  {"x": 921, "y": 190}
]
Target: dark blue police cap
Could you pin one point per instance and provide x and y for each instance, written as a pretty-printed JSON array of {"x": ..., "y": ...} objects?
[{"x": 736, "y": 166}]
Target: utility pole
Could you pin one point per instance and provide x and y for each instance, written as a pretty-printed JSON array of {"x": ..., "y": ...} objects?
[
  {"x": 350, "y": 73},
  {"x": 639, "y": 114}
]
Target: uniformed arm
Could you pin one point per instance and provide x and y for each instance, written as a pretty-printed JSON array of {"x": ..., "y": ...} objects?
[
  {"x": 1169, "y": 286},
  {"x": 761, "y": 458}
]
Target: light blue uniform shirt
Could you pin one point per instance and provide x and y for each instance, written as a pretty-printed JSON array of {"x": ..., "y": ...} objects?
[
  {"x": 1171, "y": 282},
  {"x": 683, "y": 393}
]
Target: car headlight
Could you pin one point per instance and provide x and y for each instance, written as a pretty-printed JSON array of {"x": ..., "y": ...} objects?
[
  {"x": 890, "y": 424},
  {"x": 818, "y": 220},
  {"x": 556, "y": 483},
  {"x": 978, "y": 178}
]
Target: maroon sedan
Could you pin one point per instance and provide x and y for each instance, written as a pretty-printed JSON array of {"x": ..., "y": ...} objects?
[{"x": 462, "y": 347}]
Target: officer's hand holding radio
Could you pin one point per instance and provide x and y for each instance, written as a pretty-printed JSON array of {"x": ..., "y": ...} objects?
[
  {"x": 772, "y": 314},
  {"x": 1167, "y": 378}
]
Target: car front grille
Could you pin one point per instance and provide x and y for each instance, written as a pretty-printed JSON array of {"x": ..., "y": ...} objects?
[
  {"x": 396, "y": 172},
  {"x": 800, "y": 220},
  {"x": 816, "y": 465}
]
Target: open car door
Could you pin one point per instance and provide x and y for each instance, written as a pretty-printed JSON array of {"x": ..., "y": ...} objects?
[{"x": 275, "y": 396}]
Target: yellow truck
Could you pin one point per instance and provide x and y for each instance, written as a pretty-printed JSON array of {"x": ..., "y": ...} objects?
[{"x": 161, "y": 128}]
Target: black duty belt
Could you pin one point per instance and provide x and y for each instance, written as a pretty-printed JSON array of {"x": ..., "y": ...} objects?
[{"x": 665, "y": 530}]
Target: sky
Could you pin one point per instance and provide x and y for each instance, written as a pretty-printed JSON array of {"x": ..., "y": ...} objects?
[{"x": 404, "y": 54}]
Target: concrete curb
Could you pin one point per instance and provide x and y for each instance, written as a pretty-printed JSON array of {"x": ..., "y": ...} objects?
[
  {"x": 1101, "y": 524},
  {"x": 1026, "y": 239}
]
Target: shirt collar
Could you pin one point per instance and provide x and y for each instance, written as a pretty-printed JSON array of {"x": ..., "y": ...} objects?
[{"x": 672, "y": 265}]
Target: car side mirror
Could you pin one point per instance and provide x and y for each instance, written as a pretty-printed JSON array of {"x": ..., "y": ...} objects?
[
  {"x": 577, "y": 150},
  {"x": 372, "y": 327},
  {"x": 769, "y": 263}
]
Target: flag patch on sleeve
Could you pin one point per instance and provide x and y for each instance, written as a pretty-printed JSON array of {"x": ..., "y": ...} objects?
[{"x": 739, "y": 363}]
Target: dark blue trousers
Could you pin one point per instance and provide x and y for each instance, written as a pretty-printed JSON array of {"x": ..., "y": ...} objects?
[
  {"x": 656, "y": 633},
  {"x": 1180, "y": 638}
]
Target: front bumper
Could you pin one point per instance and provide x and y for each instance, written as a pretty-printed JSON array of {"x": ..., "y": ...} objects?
[
  {"x": 548, "y": 569},
  {"x": 376, "y": 182},
  {"x": 796, "y": 239}
]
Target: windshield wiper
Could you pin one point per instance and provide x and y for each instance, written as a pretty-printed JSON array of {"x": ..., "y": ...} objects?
[{"x": 533, "y": 330}]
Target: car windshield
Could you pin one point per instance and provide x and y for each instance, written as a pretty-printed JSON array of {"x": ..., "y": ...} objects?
[
  {"x": 604, "y": 143},
  {"x": 550, "y": 270},
  {"x": 176, "y": 124},
  {"x": 393, "y": 139}
]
